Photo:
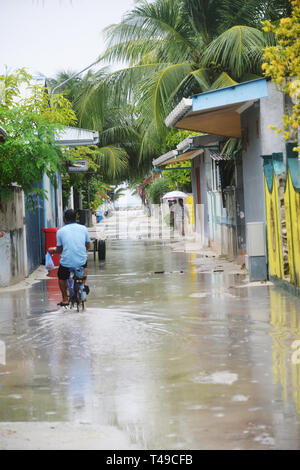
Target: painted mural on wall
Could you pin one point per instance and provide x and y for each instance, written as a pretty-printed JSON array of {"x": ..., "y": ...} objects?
[{"x": 282, "y": 190}]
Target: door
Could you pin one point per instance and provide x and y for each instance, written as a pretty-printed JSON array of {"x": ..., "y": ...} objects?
[{"x": 34, "y": 213}]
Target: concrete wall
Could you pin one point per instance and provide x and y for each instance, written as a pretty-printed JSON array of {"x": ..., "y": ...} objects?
[
  {"x": 229, "y": 224},
  {"x": 13, "y": 266},
  {"x": 240, "y": 213},
  {"x": 272, "y": 109},
  {"x": 59, "y": 214},
  {"x": 200, "y": 210},
  {"x": 53, "y": 206},
  {"x": 253, "y": 179},
  {"x": 204, "y": 172},
  {"x": 259, "y": 140}
]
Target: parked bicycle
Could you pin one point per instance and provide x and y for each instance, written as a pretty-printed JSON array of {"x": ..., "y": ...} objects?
[{"x": 77, "y": 291}]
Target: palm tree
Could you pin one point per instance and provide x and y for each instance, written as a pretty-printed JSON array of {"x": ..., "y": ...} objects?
[
  {"x": 175, "y": 48},
  {"x": 71, "y": 89},
  {"x": 100, "y": 113}
]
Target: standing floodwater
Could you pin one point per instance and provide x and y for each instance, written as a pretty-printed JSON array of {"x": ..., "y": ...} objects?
[{"x": 168, "y": 356}]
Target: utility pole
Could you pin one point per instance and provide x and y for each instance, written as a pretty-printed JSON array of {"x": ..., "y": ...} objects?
[
  {"x": 71, "y": 78},
  {"x": 52, "y": 93}
]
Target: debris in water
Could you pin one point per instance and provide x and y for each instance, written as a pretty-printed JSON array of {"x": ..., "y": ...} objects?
[
  {"x": 240, "y": 398},
  {"x": 224, "y": 377}
]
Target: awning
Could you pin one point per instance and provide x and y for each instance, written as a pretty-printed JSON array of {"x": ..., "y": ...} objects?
[
  {"x": 178, "y": 112},
  {"x": 197, "y": 142},
  {"x": 184, "y": 157},
  {"x": 163, "y": 159},
  {"x": 217, "y": 112},
  {"x": 75, "y": 137},
  {"x": 189, "y": 148},
  {"x": 217, "y": 156}
]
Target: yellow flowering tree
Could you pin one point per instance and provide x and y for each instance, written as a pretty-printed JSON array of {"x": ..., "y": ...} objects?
[{"x": 282, "y": 64}]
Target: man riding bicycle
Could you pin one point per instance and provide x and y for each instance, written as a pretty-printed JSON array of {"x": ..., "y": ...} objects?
[{"x": 73, "y": 243}]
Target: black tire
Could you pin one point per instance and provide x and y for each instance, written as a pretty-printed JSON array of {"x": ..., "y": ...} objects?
[{"x": 101, "y": 250}]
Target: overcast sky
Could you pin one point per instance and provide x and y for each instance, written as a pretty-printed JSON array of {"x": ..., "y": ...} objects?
[{"x": 47, "y": 36}]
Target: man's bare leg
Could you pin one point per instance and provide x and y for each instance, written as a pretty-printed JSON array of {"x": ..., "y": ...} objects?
[{"x": 63, "y": 288}]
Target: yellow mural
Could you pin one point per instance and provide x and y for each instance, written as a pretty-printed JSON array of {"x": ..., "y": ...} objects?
[
  {"x": 190, "y": 205},
  {"x": 282, "y": 199},
  {"x": 273, "y": 230},
  {"x": 292, "y": 206}
]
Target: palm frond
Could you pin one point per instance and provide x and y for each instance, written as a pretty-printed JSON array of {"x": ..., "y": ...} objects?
[
  {"x": 202, "y": 77},
  {"x": 133, "y": 51},
  {"x": 237, "y": 12},
  {"x": 113, "y": 160},
  {"x": 160, "y": 20},
  {"x": 231, "y": 147},
  {"x": 119, "y": 133},
  {"x": 222, "y": 81},
  {"x": 203, "y": 16},
  {"x": 158, "y": 89},
  {"x": 238, "y": 49}
]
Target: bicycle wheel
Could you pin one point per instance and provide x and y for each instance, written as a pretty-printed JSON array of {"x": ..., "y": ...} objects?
[
  {"x": 74, "y": 299},
  {"x": 78, "y": 298},
  {"x": 70, "y": 290}
]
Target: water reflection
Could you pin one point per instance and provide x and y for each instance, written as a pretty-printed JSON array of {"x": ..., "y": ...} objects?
[{"x": 286, "y": 322}]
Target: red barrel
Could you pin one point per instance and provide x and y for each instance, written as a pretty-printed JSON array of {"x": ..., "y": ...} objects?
[{"x": 50, "y": 240}]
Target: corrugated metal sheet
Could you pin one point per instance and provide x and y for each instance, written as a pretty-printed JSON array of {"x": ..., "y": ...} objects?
[
  {"x": 217, "y": 156},
  {"x": 73, "y": 137}
]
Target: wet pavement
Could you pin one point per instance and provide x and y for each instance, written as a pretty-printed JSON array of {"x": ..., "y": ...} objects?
[{"x": 169, "y": 355}]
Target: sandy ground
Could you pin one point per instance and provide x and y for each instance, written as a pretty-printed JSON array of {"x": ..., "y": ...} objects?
[
  {"x": 61, "y": 436},
  {"x": 37, "y": 275}
]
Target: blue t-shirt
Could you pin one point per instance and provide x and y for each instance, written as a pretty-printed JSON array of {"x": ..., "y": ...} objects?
[{"x": 73, "y": 237}]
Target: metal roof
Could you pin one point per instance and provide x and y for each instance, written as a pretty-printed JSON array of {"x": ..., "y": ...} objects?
[
  {"x": 217, "y": 111},
  {"x": 74, "y": 137},
  {"x": 178, "y": 112},
  {"x": 189, "y": 148},
  {"x": 217, "y": 156},
  {"x": 164, "y": 158}
]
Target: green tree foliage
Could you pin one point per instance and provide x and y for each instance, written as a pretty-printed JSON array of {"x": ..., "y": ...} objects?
[
  {"x": 282, "y": 64},
  {"x": 179, "y": 179},
  {"x": 174, "y": 137},
  {"x": 96, "y": 109},
  {"x": 157, "y": 189},
  {"x": 32, "y": 123},
  {"x": 175, "y": 48}
]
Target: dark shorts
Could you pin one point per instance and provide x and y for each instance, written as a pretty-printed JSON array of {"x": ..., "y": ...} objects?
[{"x": 63, "y": 273}]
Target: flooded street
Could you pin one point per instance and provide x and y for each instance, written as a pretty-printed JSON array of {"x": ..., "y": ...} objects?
[{"x": 169, "y": 355}]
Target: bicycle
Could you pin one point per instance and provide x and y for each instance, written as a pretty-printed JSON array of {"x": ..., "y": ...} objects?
[{"x": 76, "y": 289}]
